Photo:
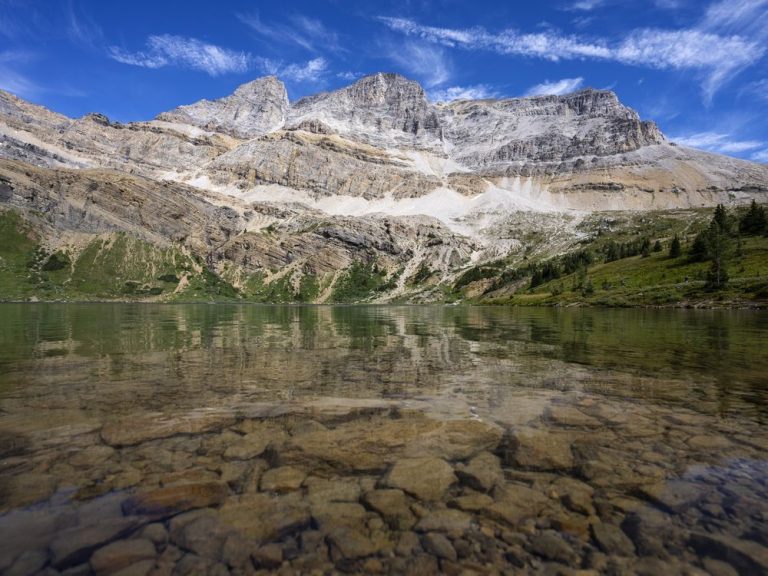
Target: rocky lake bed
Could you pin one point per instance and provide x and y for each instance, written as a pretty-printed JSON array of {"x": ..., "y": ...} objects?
[{"x": 569, "y": 476}]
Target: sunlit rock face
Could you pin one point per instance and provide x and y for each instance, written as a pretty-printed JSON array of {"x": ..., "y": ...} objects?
[
  {"x": 441, "y": 185},
  {"x": 253, "y": 109}
]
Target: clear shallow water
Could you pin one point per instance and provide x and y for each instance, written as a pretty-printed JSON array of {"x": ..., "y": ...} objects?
[{"x": 381, "y": 439}]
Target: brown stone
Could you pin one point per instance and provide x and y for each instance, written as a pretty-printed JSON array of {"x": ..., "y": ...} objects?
[
  {"x": 424, "y": 478},
  {"x": 268, "y": 556},
  {"x": 392, "y": 505},
  {"x": 248, "y": 447},
  {"x": 472, "y": 502},
  {"x": 445, "y": 520},
  {"x": 482, "y": 473},
  {"x": 676, "y": 495},
  {"x": 747, "y": 556},
  {"x": 283, "y": 479},
  {"x": 437, "y": 544},
  {"x": 120, "y": 554},
  {"x": 540, "y": 450},
  {"x": 264, "y": 517},
  {"x": 74, "y": 546},
  {"x": 174, "y": 499},
  {"x": 140, "y": 428}
]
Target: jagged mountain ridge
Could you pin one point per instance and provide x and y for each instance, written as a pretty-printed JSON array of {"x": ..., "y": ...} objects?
[{"x": 367, "y": 159}]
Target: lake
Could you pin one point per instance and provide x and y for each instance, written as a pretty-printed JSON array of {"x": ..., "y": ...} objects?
[{"x": 215, "y": 439}]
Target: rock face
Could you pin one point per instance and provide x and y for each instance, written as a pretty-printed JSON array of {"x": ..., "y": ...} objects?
[
  {"x": 253, "y": 109},
  {"x": 382, "y": 109},
  {"x": 266, "y": 191},
  {"x": 491, "y": 134}
]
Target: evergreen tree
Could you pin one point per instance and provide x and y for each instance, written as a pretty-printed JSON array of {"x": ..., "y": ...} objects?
[
  {"x": 675, "y": 249},
  {"x": 721, "y": 219},
  {"x": 612, "y": 252},
  {"x": 699, "y": 250},
  {"x": 717, "y": 277},
  {"x": 657, "y": 246},
  {"x": 645, "y": 248},
  {"x": 754, "y": 222},
  {"x": 715, "y": 244}
]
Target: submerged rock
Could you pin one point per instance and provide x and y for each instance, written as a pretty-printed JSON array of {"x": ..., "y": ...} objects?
[
  {"x": 747, "y": 556},
  {"x": 424, "y": 478},
  {"x": 74, "y": 546},
  {"x": 175, "y": 499},
  {"x": 141, "y": 428},
  {"x": 482, "y": 473},
  {"x": 264, "y": 517},
  {"x": 114, "y": 557},
  {"x": 392, "y": 505},
  {"x": 283, "y": 479},
  {"x": 538, "y": 449}
]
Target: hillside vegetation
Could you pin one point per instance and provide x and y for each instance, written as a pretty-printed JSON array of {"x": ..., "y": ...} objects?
[
  {"x": 669, "y": 258},
  {"x": 680, "y": 258}
]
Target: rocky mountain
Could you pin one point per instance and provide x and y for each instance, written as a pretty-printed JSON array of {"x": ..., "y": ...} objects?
[
  {"x": 254, "y": 109},
  {"x": 263, "y": 191}
]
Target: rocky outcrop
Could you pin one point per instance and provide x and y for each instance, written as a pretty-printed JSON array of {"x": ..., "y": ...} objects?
[
  {"x": 253, "y": 109},
  {"x": 382, "y": 109},
  {"x": 492, "y": 133}
]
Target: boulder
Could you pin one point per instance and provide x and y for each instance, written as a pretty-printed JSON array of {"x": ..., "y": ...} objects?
[
  {"x": 174, "y": 499},
  {"x": 425, "y": 478},
  {"x": 113, "y": 557}
]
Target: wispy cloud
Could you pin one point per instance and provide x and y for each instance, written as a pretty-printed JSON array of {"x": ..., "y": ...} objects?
[
  {"x": 310, "y": 72},
  {"x": 669, "y": 4},
  {"x": 81, "y": 28},
  {"x": 11, "y": 79},
  {"x": 308, "y": 33},
  {"x": 556, "y": 88},
  {"x": 348, "y": 75},
  {"x": 718, "y": 142},
  {"x": 19, "y": 83},
  {"x": 761, "y": 156},
  {"x": 476, "y": 92},
  {"x": 425, "y": 61},
  {"x": 730, "y": 38},
  {"x": 585, "y": 5},
  {"x": 758, "y": 88},
  {"x": 169, "y": 50}
]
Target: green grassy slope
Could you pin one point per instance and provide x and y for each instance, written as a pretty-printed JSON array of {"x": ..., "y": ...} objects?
[
  {"x": 108, "y": 267},
  {"x": 615, "y": 264}
]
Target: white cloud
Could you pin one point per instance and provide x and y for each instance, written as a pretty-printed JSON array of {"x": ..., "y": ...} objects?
[
  {"x": 423, "y": 60},
  {"x": 476, "y": 92},
  {"x": 586, "y": 5},
  {"x": 558, "y": 88},
  {"x": 81, "y": 28},
  {"x": 308, "y": 33},
  {"x": 310, "y": 71},
  {"x": 731, "y": 37},
  {"x": 761, "y": 156},
  {"x": 718, "y": 142},
  {"x": 11, "y": 79},
  {"x": 348, "y": 75},
  {"x": 669, "y": 4},
  {"x": 758, "y": 88},
  {"x": 169, "y": 50}
]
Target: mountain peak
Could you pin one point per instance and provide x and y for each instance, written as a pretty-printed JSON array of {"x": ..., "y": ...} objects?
[
  {"x": 383, "y": 109},
  {"x": 253, "y": 109}
]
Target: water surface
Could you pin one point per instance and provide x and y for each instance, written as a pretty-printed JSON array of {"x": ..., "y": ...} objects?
[{"x": 232, "y": 439}]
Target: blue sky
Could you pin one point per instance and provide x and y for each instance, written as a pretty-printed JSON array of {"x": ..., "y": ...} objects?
[{"x": 698, "y": 68}]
